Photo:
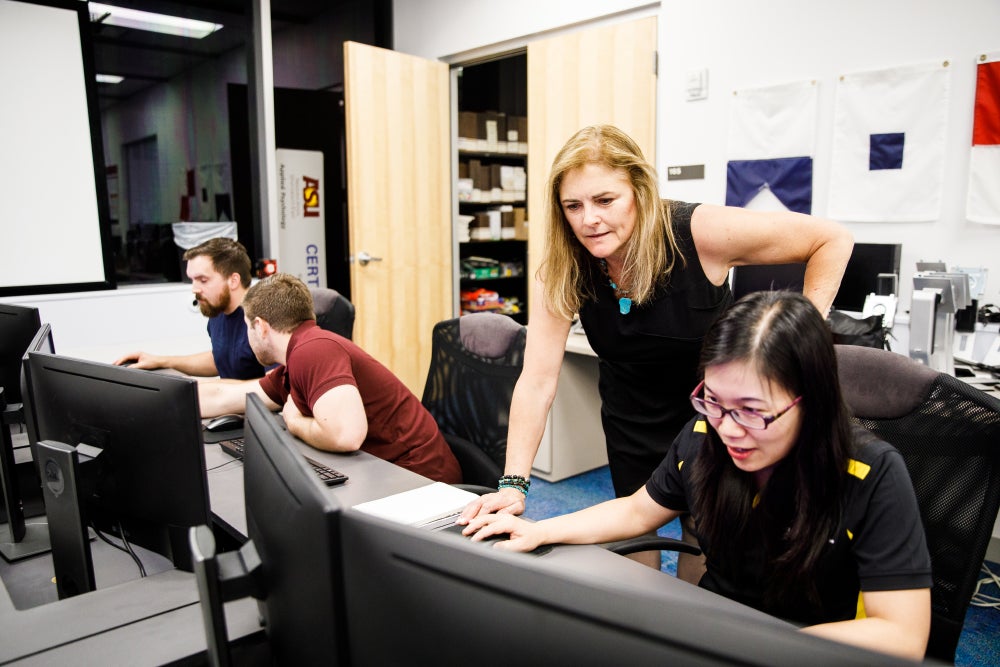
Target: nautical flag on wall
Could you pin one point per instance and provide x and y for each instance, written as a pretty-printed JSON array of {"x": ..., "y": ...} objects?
[
  {"x": 772, "y": 134},
  {"x": 983, "y": 202},
  {"x": 889, "y": 131}
]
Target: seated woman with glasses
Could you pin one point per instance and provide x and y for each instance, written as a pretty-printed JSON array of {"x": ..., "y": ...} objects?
[{"x": 799, "y": 513}]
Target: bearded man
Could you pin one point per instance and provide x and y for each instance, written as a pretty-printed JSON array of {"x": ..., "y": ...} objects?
[{"x": 219, "y": 270}]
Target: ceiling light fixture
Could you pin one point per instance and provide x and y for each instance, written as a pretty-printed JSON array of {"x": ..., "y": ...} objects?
[
  {"x": 133, "y": 18},
  {"x": 109, "y": 78}
]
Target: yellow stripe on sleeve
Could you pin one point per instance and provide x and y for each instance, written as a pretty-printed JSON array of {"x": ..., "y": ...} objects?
[
  {"x": 861, "y": 606},
  {"x": 700, "y": 426},
  {"x": 858, "y": 469}
]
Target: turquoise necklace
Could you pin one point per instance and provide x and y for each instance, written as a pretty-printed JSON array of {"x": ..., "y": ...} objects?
[{"x": 624, "y": 302}]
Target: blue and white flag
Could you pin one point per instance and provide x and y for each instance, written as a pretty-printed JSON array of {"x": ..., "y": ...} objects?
[
  {"x": 889, "y": 131},
  {"x": 772, "y": 135}
]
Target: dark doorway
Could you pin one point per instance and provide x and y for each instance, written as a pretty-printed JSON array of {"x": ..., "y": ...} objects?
[{"x": 304, "y": 120}]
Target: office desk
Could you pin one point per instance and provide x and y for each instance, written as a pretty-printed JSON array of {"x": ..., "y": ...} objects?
[
  {"x": 151, "y": 621},
  {"x": 157, "y": 619}
]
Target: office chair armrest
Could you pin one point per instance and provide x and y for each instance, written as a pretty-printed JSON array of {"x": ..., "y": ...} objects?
[{"x": 650, "y": 543}]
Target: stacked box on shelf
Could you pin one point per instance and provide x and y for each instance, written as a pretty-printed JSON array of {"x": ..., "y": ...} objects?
[
  {"x": 487, "y": 183},
  {"x": 492, "y": 132}
]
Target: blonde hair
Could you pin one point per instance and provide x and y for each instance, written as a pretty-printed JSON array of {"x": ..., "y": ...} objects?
[
  {"x": 282, "y": 300},
  {"x": 651, "y": 251}
]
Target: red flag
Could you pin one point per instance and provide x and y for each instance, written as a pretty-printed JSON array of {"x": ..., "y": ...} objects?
[{"x": 983, "y": 201}]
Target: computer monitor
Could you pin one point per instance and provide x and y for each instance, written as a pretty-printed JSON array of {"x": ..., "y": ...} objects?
[
  {"x": 767, "y": 277},
  {"x": 130, "y": 443},
  {"x": 19, "y": 539},
  {"x": 291, "y": 563},
  {"x": 18, "y": 326},
  {"x": 457, "y": 602},
  {"x": 861, "y": 277}
]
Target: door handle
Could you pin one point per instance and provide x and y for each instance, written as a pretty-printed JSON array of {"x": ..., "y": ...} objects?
[{"x": 364, "y": 258}]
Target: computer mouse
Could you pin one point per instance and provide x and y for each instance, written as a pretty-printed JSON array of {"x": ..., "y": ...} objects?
[{"x": 224, "y": 423}]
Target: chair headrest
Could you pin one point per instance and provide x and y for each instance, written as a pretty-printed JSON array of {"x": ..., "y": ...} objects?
[
  {"x": 323, "y": 298},
  {"x": 487, "y": 334},
  {"x": 880, "y": 384}
]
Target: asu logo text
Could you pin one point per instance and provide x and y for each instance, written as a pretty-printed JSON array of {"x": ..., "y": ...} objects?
[{"x": 310, "y": 197}]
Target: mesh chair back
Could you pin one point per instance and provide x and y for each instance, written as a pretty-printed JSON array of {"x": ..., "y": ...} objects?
[
  {"x": 333, "y": 312},
  {"x": 475, "y": 362},
  {"x": 949, "y": 435}
]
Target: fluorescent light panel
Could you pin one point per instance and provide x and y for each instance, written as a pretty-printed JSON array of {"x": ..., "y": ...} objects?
[
  {"x": 109, "y": 78},
  {"x": 133, "y": 18}
]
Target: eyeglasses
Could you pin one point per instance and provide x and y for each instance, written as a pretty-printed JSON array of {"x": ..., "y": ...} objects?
[{"x": 745, "y": 418}]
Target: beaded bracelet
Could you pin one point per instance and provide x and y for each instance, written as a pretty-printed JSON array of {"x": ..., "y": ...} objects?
[{"x": 514, "y": 482}]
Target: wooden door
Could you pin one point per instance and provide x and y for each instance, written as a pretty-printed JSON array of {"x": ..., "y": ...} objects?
[
  {"x": 598, "y": 75},
  {"x": 398, "y": 204}
]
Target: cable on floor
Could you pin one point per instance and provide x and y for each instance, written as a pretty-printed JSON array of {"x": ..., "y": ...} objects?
[{"x": 981, "y": 599}]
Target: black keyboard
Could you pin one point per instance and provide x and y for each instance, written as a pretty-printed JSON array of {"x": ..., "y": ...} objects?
[{"x": 326, "y": 474}]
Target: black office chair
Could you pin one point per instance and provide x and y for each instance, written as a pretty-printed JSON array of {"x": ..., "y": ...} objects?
[
  {"x": 333, "y": 312},
  {"x": 475, "y": 362},
  {"x": 949, "y": 435}
]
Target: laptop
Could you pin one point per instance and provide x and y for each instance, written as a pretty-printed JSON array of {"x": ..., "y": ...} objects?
[
  {"x": 432, "y": 507},
  {"x": 980, "y": 349}
]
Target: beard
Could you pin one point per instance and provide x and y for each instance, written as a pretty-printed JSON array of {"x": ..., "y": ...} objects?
[{"x": 209, "y": 309}]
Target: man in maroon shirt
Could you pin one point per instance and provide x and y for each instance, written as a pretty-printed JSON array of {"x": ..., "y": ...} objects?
[{"x": 332, "y": 394}]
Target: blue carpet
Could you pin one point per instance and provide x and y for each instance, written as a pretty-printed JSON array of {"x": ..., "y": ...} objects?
[{"x": 978, "y": 646}]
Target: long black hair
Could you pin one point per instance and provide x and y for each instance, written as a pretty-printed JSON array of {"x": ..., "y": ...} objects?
[{"x": 785, "y": 340}]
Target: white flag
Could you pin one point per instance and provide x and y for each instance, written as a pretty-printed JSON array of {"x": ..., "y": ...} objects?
[
  {"x": 772, "y": 135},
  {"x": 773, "y": 122},
  {"x": 888, "y": 144}
]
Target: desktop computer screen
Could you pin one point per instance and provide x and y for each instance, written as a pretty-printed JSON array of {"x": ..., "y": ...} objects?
[
  {"x": 137, "y": 439},
  {"x": 860, "y": 279},
  {"x": 861, "y": 275},
  {"x": 293, "y": 519},
  {"x": 459, "y": 602},
  {"x": 760, "y": 278},
  {"x": 293, "y": 556},
  {"x": 18, "y": 325}
]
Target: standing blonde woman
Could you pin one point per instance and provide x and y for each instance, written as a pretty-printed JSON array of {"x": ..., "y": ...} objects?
[{"x": 647, "y": 277}]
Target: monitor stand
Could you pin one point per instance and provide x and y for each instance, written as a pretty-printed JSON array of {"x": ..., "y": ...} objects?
[
  {"x": 222, "y": 577},
  {"x": 70, "y": 538},
  {"x": 34, "y": 541},
  {"x": 18, "y": 538}
]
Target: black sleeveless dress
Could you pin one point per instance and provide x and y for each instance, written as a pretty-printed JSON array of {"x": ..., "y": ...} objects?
[{"x": 649, "y": 358}]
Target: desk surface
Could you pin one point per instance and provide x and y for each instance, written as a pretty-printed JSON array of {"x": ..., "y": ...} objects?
[
  {"x": 370, "y": 478},
  {"x": 147, "y": 621}
]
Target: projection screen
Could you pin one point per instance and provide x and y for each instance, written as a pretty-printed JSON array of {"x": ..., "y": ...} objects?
[{"x": 54, "y": 227}]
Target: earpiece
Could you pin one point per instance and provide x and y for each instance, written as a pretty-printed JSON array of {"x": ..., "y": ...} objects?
[{"x": 989, "y": 313}]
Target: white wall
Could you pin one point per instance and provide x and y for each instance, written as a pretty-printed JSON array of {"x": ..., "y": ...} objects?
[
  {"x": 743, "y": 46},
  {"x": 748, "y": 45},
  {"x": 439, "y": 29},
  {"x": 107, "y": 324}
]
